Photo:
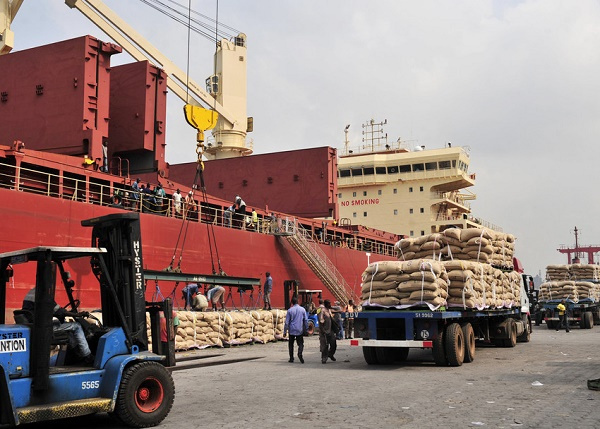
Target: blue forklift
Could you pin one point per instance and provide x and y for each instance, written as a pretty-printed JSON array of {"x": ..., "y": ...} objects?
[{"x": 41, "y": 380}]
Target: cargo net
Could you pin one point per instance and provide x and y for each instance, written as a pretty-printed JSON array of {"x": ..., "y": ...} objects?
[
  {"x": 570, "y": 290},
  {"x": 589, "y": 272},
  {"x": 426, "y": 282},
  {"x": 198, "y": 330},
  {"x": 471, "y": 244}
]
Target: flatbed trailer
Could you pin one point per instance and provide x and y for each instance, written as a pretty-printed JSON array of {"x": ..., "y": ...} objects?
[
  {"x": 387, "y": 335},
  {"x": 585, "y": 313}
]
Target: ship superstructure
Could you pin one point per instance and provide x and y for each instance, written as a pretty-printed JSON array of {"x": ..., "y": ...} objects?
[{"x": 412, "y": 192}]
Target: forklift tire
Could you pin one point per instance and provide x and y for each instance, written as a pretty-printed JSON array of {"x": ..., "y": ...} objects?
[
  {"x": 370, "y": 355},
  {"x": 469, "y": 335},
  {"x": 439, "y": 352},
  {"x": 311, "y": 328},
  {"x": 455, "y": 345},
  {"x": 146, "y": 395}
]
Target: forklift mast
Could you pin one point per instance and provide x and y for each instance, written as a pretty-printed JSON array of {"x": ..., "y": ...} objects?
[{"x": 122, "y": 275}]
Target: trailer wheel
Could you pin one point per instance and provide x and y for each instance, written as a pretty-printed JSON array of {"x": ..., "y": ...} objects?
[
  {"x": 145, "y": 395},
  {"x": 385, "y": 355},
  {"x": 400, "y": 353},
  {"x": 511, "y": 328},
  {"x": 370, "y": 356},
  {"x": 439, "y": 353},
  {"x": 589, "y": 319},
  {"x": 469, "y": 335},
  {"x": 525, "y": 337},
  {"x": 455, "y": 345}
]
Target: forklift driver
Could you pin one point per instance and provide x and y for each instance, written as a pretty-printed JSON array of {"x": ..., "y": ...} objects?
[{"x": 77, "y": 341}]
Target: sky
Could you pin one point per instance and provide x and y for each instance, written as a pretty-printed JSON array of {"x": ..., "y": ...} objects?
[{"x": 517, "y": 81}]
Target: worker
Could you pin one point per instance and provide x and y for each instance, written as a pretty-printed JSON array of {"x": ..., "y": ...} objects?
[
  {"x": 349, "y": 328},
  {"x": 214, "y": 294},
  {"x": 296, "y": 323},
  {"x": 337, "y": 316},
  {"x": 177, "y": 203},
  {"x": 268, "y": 288},
  {"x": 77, "y": 341},
  {"x": 240, "y": 211},
  {"x": 254, "y": 219},
  {"x": 327, "y": 333},
  {"x": 563, "y": 318},
  {"x": 199, "y": 303},
  {"x": 188, "y": 293},
  {"x": 163, "y": 330},
  {"x": 189, "y": 206},
  {"x": 227, "y": 215}
]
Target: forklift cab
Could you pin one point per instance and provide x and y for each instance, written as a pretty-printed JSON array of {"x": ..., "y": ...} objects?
[{"x": 125, "y": 377}]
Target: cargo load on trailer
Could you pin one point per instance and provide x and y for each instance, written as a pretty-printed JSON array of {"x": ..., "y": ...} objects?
[{"x": 446, "y": 291}]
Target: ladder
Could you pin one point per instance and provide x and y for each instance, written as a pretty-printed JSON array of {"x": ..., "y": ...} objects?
[{"x": 320, "y": 264}]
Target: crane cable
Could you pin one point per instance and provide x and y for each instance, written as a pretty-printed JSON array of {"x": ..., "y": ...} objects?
[{"x": 199, "y": 176}]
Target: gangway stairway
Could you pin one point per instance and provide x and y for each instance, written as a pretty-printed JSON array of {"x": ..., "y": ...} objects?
[{"x": 319, "y": 263}]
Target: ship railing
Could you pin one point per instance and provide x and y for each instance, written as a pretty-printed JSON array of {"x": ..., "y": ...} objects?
[
  {"x": 454, "y": 197},
  {"x": 305, "y": 237},
  {"x": 470, "y": 218},
  {"x": 80, "y": 188}
]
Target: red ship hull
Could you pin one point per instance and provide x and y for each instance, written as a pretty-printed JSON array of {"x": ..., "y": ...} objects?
[{"x": 30, "y": 220}]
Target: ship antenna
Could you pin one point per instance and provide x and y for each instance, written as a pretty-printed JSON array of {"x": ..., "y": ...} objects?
[{"x": 346, "y": 141}]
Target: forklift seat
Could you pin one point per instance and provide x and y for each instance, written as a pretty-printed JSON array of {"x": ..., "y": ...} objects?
[{"x": 23, "y": 317}]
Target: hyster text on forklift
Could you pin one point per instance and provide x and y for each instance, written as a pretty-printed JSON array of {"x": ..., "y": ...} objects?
[{"x": 38, "y": 383}]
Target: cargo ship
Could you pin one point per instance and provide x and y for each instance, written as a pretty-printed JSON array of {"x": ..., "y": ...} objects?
[{"x": 57, "y": 118}]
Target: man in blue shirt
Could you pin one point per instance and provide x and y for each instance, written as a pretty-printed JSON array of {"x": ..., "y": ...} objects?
[
  {"x": 188, "y": 293},
  {"x": 268, "y": 289},
  {"x": 296, "y": 323}
]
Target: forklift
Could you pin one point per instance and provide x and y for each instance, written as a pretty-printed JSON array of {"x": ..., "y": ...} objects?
[
  {"x": 125, "y": 378},
  {"x": 306, "y": 300}
]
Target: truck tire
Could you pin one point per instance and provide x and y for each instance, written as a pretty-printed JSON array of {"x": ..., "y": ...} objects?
[
  {"x": 511, "y": 329},
  {"x": 525, "y": 337},
  {"x": 145, "y": 395},
  {"x": 370, "y": 356},
  {"x": 469, "y": 335},
  {"x": 550, "y": 324},
  {"x": 589, "y": 319},
  {"x": 400, "y": 353},
  {"x": 311, "y": 328},
  {"x": 455, "y": 345},
  {"x": 385, "y": 355},
  {"x": 439, "y": 353}
]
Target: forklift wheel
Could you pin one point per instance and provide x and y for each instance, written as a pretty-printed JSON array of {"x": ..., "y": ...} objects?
[{"x": 145, "y": 395}]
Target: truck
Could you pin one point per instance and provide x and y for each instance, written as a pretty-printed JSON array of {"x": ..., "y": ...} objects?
[
  {"x": 387, "y": 335},
  {"x": 585, "y": 312}
]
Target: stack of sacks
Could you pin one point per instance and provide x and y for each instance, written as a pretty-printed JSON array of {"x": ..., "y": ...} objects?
[
  {"x": 475, "y": 285},
  {"x": 557, "y": 272},
  {"x": 588, "y": 290},
  {"x": 391, "y": 283},
  {"x": 278, "y": 323},
  {"x": 185, "y": 337},
  {"x": 584, "y": 272},
  {"x": 209, "y": 328},
  {"x": 557, "y": 290},
  {"x": 472, "y": 244},
  {"x": 263, "y": 326},
  {"x": 380, "y": 281},
  {"x": 237, "y": 328}
]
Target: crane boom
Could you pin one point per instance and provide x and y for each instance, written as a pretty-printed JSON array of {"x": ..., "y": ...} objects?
[
  {"x": 8, "y": 11},
  {"x": 227, "y": 85}
]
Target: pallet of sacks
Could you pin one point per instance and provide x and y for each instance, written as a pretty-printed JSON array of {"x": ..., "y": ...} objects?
[
  {"x": 457, "y": 283},
  {"x": 262, "y": 331},
  {"x": 584, "y": 272},
  {"x": 481, "y": 286},
  {"x": 278, "y": 323},
  {"x": 405, "y": 283},
  {"x": 471, "y": 244},
  {"x": 557, "y": 273},
  {"x": 557, "y": 290},
  {"x": 199, "y": 330},
  {"x": 588, "y": 290}
]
